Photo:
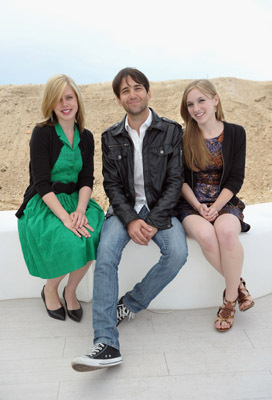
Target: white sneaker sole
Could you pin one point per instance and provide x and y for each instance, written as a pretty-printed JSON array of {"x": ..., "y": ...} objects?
[{"x": 85, "y": 364}]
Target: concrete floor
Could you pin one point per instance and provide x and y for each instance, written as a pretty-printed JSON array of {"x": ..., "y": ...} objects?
[{"x": 167, "y": 356}]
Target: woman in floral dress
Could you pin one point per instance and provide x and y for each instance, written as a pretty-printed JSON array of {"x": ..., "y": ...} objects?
[{"x": 210, "y": 211}]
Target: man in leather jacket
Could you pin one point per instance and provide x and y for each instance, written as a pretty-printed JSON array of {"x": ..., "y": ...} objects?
[{"x": 143, "y": 176}]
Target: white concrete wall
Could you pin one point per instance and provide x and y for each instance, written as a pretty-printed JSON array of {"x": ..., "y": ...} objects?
[
  {"x": 196, "y": 286},
  {"x": 15, "y": 281}
]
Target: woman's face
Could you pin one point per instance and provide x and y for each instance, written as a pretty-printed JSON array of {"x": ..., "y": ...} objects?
[
  {"x": 67, "y": 107},
  {"x": 201, "y": 106}
]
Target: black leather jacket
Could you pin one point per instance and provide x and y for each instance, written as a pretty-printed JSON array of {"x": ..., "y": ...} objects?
[{"x": 162, "y": 168}]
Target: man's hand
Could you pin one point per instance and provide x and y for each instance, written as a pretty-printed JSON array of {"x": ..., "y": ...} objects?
[
  {"x": 140, "y": 232},
  {"x": 150, "y": 232}
]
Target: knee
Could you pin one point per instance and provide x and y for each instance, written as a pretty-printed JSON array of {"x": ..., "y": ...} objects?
[
  {"x": 206, "y": 239},
  {"x": 103, "y": 247},
  {"x": 177, "y": 246},
  {"x": 226, "y": 237},
  {"x": 108, "y": 255},
  {"x": 178, "y": 256}
]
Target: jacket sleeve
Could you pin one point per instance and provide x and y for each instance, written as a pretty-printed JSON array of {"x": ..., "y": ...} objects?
[
  {"x": 86, "y": 175},
  {"x": 40, "y": 160},
  {"x": 115, "y": 190},
  {"x": 160, "y": 214},
  {"x": 236, "y": 175}
]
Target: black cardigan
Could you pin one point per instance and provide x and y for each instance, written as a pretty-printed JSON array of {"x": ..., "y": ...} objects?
[
  {"x": 234, "y": 155},
  {"x": 45, "y": 147}
]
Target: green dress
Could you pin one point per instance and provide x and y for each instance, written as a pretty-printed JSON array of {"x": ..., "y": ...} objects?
[{"x": 50, "y": 249}]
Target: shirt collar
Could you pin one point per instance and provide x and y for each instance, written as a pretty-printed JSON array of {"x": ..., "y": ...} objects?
[
  {"x": 63, "y": 137},
  {"x": 145, "y": 125}
]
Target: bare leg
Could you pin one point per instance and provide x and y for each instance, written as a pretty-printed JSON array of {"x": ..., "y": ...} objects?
[
  {"x": 227, "y": 228},
  {"x": 221, "y": 247},
  {"x": 51, "y": 293},
  {"x": 73, "y": 281},
  {"x": 204, "y": 233}
]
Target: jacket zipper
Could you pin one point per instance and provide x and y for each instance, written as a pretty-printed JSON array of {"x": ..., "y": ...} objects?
[{"x": 118, "y": 145}]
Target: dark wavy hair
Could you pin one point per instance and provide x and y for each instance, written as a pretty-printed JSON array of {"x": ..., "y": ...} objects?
[{"x": 134, "y": 73}]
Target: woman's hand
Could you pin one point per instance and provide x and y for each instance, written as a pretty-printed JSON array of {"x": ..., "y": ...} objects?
[
  {"x": 79, "y": 219},
  {"x": 209, "y": 213},
  {"x": 77, "y": 223},
  {"x": 212, "y": 214},
  {"x": 80, "y": 222},
  {"x": 203, "y": 210}
]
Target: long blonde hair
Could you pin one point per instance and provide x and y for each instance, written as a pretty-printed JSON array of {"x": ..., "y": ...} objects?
[
  {"x": 196, "y": 154},
  {"x": 53, "y": 91}
]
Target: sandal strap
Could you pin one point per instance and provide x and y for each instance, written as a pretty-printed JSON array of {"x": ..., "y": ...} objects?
[
  {"x": 245, "y": 299},
  {"x": 227, "y": 311},
  {"x": 241, "y": 289}
]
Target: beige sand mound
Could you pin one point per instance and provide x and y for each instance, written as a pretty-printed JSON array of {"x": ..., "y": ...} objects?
[{"x": 246, "y": 103}]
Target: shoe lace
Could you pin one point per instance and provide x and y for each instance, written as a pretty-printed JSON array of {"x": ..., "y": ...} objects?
[
  {"x": 123, "y": 312},
  {"x": 96, "y": 349}
]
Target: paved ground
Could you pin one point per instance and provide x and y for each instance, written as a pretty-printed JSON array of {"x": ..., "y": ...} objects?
[{"x": 170, "y": 356}]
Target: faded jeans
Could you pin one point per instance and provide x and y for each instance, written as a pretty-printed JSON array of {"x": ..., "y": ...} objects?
[{"x": 114, "y": 237}]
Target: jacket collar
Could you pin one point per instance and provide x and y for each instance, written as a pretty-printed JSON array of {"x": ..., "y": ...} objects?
[{"x": 155, "y": 124}]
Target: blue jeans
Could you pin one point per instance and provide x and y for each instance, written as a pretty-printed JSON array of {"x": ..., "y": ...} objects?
[{"x": 114, "y": 237}]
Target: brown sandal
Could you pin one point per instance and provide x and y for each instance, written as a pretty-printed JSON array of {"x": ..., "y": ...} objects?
[
  {"x": 226, "y": 314},
  {"x": 244, "y": 296}
]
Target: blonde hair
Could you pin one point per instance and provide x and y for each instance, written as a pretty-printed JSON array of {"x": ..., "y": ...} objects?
[
  {"x": 53, "y": 91},
  {"x": 196, "y": 154}
]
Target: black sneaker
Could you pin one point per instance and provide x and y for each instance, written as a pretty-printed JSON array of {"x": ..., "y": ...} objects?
[
  {"x": 123, "y": 312},
  {"x": 101, "y": 356}
]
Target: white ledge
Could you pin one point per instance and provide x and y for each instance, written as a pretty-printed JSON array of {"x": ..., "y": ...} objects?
[{"x": 197, "y": 285}]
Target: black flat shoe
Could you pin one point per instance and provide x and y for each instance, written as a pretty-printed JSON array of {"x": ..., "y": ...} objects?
[
  {"x": 75, "y": 315},
  {"x": 57, "y": 314}
]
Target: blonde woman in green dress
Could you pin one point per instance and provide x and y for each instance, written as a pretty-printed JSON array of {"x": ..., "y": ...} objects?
[{"x": 59, "y": 224}]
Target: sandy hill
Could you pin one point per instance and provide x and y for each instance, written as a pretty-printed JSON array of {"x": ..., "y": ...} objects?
[{"x": 247, "y": 103}]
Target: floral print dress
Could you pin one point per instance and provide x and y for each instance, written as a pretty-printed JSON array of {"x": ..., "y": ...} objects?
[{"x": 207, "y": 186}]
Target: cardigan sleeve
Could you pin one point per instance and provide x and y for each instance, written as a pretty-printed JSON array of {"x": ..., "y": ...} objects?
[
  {"x": 86, "y": 175},
  {"x": 236, "y": 174},
  {"x": 40, "y": 160}
]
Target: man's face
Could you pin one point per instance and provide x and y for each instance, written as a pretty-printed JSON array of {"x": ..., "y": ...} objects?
[{"x": 133, "y": 96}]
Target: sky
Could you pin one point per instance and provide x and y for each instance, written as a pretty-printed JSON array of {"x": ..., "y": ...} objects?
[{"x": 92, "y": 40}]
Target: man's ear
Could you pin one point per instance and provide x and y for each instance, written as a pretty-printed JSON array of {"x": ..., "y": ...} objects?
[
  {"x": 149, "y": 95},
  {"x": 118, "y": 101}
]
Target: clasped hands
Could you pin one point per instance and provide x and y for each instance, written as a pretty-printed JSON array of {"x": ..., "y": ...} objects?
[
  {"x": 140, "y": 232},
  {"x": 209, "y": 213},
  {"x": 77, "y": 222}
]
